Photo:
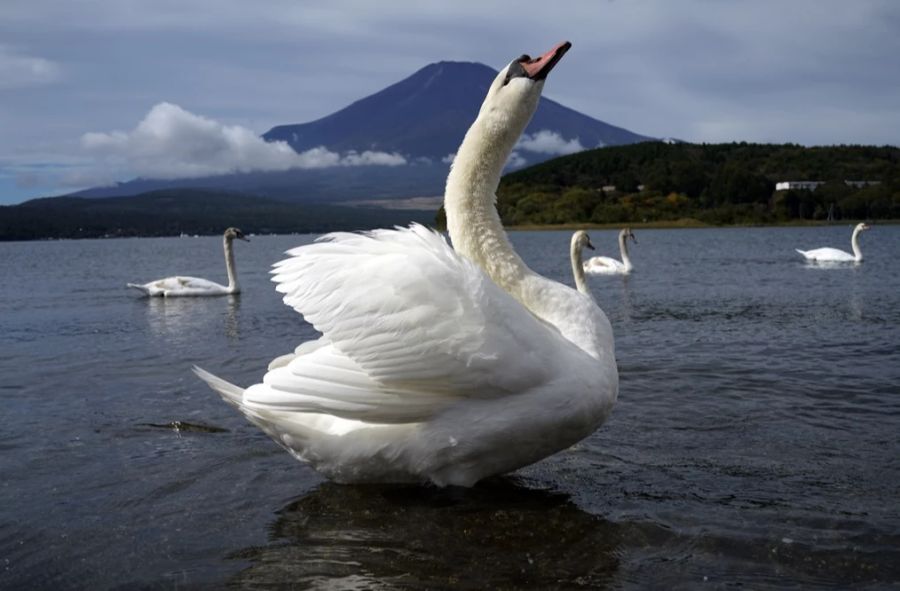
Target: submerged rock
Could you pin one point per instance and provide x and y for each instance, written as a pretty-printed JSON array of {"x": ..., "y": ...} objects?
[{"x": 180, "y": 426}]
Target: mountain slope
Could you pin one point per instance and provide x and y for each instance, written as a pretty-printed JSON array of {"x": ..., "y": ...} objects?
[
  {"x": 427, "y": 114},
  {"x": 713, "y": 183},
  {"x": 423, "y": 117},
  {"x": 190, "y": 211}
]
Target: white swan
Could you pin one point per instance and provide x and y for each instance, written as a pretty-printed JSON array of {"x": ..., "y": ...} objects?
[
  {"x": 834, "y": 255},
  {"x": 610, "y": 266},
  {"x": 437, "y": 364},
  {"x": 178, "y": 286},
  {"x": 580, "y": 241}
]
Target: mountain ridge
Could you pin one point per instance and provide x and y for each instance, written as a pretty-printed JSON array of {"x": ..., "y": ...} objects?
[
  {"x": 428, "y": 113},
  {"x": 422, "y": 117}
]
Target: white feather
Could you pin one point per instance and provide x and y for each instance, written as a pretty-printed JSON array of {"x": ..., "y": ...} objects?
[
  {"x": 834, "y": 255},
  {"x": 436, "y": 364},
  {"x": 181, "y": 286}
]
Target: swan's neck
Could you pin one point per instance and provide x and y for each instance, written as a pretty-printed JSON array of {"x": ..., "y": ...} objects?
[
  {"x": 578, "y": 270},
  {"x": 233, "y": 285},
  {"x": 854, "y": 242},
  {"x": 469, "y": 202},
  {"x": 623, "y": 250}
]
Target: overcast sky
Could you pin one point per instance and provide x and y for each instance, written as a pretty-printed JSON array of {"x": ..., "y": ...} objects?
[{"x": 93, "y": 91}]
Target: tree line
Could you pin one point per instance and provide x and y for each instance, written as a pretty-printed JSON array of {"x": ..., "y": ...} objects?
[
  {"x": 711, "y": 183},
  {"x": 190, "y": 211}
]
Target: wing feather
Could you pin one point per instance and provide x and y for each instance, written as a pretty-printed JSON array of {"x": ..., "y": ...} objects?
[{"x": 415, "y": 317}]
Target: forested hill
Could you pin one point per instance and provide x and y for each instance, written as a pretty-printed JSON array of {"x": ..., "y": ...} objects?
[
  {"x": 713, "y": 183},
  {"x": 189, "y": 211}
]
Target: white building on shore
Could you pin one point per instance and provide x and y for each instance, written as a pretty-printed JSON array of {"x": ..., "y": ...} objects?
[
  {"x": 811, "y": 185},
  {"x": 803, "y": 185},
  {"x": 861, "y": 184}
]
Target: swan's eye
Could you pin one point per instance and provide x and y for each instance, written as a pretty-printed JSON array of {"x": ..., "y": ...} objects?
[{"x": 515, "y": 70}]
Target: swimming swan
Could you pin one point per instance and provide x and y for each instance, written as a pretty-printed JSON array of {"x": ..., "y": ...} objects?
[
  {"x": 178, "y": 286},
  {"x": 834, "y": 255},
  {"x": 610, "y": 266},
  {"x": 437, "y": 364},
  {"x": 580, "y": 241}
]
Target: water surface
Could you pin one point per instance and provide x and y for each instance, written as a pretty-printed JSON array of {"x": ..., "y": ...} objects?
[{"x": 755, "y": 442}]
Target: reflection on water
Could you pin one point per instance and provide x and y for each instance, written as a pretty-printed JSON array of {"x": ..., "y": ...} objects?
[
  {"x": 498, "y": 534},
  {"x": 831, "y": 265},
  {"x": 180, "y": 320}
]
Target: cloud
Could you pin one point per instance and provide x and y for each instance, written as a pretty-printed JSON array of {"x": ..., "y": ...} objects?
[
  {"x": 548, "y": 142},
  {"x": 22, "y": 71},
  {"x": 370, "y": 158},
  {"x": 171, "y": 143},
  {"x": 696, "y": 70},
  {"x": 515, "y": 160}
]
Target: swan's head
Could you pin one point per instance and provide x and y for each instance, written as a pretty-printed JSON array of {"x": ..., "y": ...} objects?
[
  {"x": 232, "y": 233},
  {"x": 627, "y": 233},
  {"x": 514, "y": 94},
  {"x": 862, "y": 226},
  {"x": 580, "y": 241}
]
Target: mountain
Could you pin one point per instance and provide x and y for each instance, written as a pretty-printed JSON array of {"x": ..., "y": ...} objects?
[
  {"x": 427, "y": 114},
  {"x": 423, "y": 117},
  {"x": 322, "y": 185}
]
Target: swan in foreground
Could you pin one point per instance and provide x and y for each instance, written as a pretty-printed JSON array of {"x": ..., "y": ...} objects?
[
  {"x": 610, "y": 266},
  {"x": 178, "y": 286},
  {"x": 834, "y": 255},
  {"x": 437, "y": 364}
]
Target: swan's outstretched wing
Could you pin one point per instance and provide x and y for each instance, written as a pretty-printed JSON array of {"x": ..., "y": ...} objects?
[
  {"x": 416, "y": 317},
  {"x": 304, "y": 348}
]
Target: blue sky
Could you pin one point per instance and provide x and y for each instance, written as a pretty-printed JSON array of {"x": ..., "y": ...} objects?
[{"x": 88, "y": 87}]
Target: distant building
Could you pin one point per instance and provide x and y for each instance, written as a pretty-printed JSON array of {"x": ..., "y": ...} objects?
[
  {"x": 802, "y": 185},
  {"x": 861, "y": 184},
  {"x": 608, "y": 188}
]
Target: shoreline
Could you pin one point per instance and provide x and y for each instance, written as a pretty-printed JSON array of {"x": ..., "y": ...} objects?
[{"x": 688, "y": 223}]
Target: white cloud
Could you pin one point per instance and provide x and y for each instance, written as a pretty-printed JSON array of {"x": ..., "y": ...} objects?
[
  {"x": 171, "y": 142},
  {"x": 548, "y": 142},
  {"x": 449, "y": 158},
  {"x": 515, "y": 160},
  {"x": 370, "y": 158},
  {"x": 21, "y": 71}
]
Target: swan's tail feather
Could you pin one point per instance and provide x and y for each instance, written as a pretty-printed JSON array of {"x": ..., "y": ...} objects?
[
  {"x": 230, "y": 393},
  {"x": 803, "y": 252},
  {"x": 140, "y": 288},
  {"x": 292, "y": 437}
]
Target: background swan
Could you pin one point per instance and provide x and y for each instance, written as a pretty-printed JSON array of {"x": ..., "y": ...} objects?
[
  {"x": 437, "y": 364},
  {"x": 179, "y": 286},
  {"x": 609, "y": 266},
  {"x": 835, "y": 255},
  {"x": 580, "y": 241}
]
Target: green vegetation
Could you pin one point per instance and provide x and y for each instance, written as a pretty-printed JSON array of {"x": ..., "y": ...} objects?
[
  {"x": 709, "y": 183},
  {"x": 189, "y": 211}
]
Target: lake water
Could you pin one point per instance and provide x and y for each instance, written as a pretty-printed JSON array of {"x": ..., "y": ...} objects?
[{"x": 756, "y": 441}]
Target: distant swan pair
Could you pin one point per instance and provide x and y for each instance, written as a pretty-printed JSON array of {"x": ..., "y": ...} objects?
[
  {"x": 834, "y": 255},
  {"x": 438, "y": 364},
  {"x": 179, "y": 286},
  {"x": 601, "y": 265}
]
